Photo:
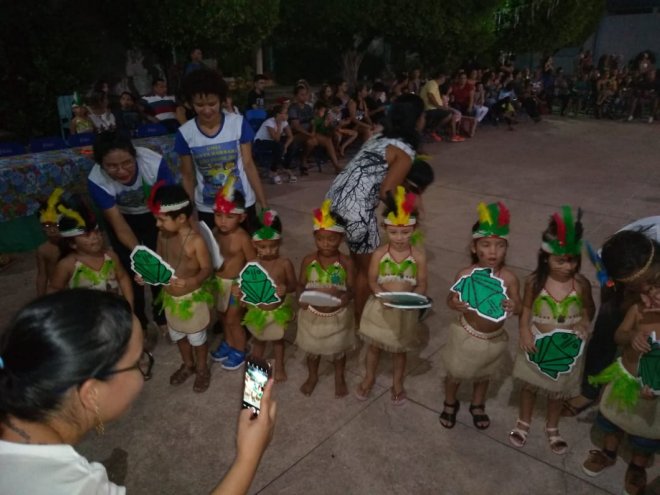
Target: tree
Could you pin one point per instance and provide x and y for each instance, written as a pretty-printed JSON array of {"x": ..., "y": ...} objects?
[
  {"x": 429, "y": 27},
  {"x": 165, "y": 26},
  {"x": 546, "y": 25}
]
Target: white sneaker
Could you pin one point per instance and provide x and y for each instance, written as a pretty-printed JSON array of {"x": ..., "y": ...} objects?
[
  {"x": 630, "y": 118},
  {"x": 651, "y": 120}
]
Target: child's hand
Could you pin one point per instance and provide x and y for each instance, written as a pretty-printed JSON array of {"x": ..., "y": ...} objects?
[
  {"x": 458, "y": 305},
  {"x": 640, "y": 342},
  {"x": 235, "y": 291},
  {"x": 179, "y": 283},
  {"x": 647, "y": 393},
  {"x": 582, "y": 331},
  {"x": 527, "y": 341},
  {"x": 509, "y": 306},
  {"x": 281, "y": 291},
  {"x": 138, "y": 280}
]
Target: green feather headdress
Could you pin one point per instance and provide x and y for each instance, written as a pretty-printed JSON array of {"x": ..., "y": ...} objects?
[
  {"x": 266, "y": 231},
  {"x": 568, "y": 239},
  {"x": 493, "y": 221}
]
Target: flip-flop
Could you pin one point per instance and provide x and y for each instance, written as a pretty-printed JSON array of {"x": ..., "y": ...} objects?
[
  {"x": 568, "y": 410},
  {"x": 360, "y": 395},
  {"x": 400, "y": 398}
]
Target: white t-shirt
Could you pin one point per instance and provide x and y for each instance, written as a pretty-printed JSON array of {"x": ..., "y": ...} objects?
[
  {"x": 216, "y": 157},
  {"x": 51, "y": 470},
  {"x": 130, "y": 199},
  {"x": 263, "y": 133}
]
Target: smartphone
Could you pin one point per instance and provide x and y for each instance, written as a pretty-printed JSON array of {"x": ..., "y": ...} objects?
[{"x": 257, "y": 373}]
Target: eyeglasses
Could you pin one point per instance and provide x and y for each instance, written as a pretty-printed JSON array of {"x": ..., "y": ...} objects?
[
  {"x": 144, "y": 366},
  {"x": 114, "y": 167}
]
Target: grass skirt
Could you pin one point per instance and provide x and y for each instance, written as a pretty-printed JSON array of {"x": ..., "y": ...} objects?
[
  {"x": 188, "y": 313},
  {"x": 390, "y": 329},
  {"x": 472, "y": 355},
  {"x": 326, "y": 334}
]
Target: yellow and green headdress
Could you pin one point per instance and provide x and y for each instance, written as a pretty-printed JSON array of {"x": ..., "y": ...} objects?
[
  {"x": 267, "y": 230},
  {"x": 564, "y": 234},
  {"x": 76, "y": 218},
  {"x": 401, "y": 209},
  {"x": 325, "y": 220},
  {"x": 225, "y": 200},
  {"x": 49, "y": 213},
  {"x": 494, "y": 221}
]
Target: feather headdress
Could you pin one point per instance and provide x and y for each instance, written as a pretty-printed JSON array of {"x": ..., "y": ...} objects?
[
  {"x": 49, "y": 214},
  {"x": 224, "y": 199},
  {"x": 494, "y": 221},
  {"x": 401, "y": 213},
  {"x": 325, "y": 220},
  {"x": 568, "y": 237},
  {"x": 75, "y": 217},
  {"x": 266, "y": 231},
  {"x": 157, "y": 207}
]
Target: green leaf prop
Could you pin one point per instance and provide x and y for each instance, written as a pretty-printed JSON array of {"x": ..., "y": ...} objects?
[
  {"x": 483, "y": 292},
  {"x": 153, "y": 269},
  {"x": 649, "y": 367},
  {"x": 556, "y": 352},
  {"x": 256, "y": 285}
]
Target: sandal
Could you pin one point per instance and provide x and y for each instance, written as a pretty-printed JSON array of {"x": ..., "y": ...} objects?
[
  {"x": 202, "y": 381},
  {"x": 362, "y": 394},
  {"x": 479, "y": 419},
  {"x": 518, "y": 436},
  {"x": 568, "y": 410},
  {"x": 400, "y": 398},
  {"x": 182, "y": 374},
  {"x": 557, "y": 444},
  {"x": 449, "y": 417}
]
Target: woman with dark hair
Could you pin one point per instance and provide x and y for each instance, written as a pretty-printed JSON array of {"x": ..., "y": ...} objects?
[
  {"x": 358, "y": 112},
  {"x": 69, "y": 363},
  {"x": 119, "y": 184},
  {"x": 627, "y": 256},
  {"x": 382, "y": 164}
]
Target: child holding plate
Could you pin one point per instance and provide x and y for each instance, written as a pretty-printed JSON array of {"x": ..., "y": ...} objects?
[
  {"x": 326, "y": 322},
  {"x": 395, "y": 267},
  {"x": 484, "y": 294},
  {"x": 630, "y": 400},
  {"x": 557, "y": 310}
]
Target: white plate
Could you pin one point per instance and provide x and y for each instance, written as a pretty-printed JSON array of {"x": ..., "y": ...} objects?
[
  {"x": 404, "y": 300},
  {"x": 317, "y": 298}
]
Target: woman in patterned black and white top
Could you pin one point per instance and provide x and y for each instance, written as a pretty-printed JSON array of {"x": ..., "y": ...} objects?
[{"x": 382, "y": 164}]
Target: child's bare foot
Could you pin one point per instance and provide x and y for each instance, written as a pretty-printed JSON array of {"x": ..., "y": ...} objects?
[
  {"x": 308, "y": 387},
  {"x": 363, "y": 390},
  {"x": 341, "y": 389},
  {"x": 280, "y": 375}
]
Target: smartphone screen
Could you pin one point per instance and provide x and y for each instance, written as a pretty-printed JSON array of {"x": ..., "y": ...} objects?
[{"x": 256, "y": 376}]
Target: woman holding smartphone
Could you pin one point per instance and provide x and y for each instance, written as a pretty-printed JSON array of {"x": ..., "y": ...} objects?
[{"x": 69, "y": 363}]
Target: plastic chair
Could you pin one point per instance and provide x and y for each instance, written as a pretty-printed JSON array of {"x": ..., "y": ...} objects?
[
  {"x": 256, "y": 117},
  {"x": 47, "y": 144},
  {"x": 11, "y": 149},
  {"x": 64, "y": 111},
  {"x": 149, "y": 130},
  {"x": 83, "y": 139}
]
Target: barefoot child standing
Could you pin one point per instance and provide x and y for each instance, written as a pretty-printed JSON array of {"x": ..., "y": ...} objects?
[
  {"x": 556, "y": 297},
  {"x": 323, "y": 330},
  {"x": 269, "y": 322},
  {"x": 185, "y": 302},
  {"x": 48, "y": 253},
  {"x": 476, "y": 346},
  {"x": 236, "y": 249},
  {"x": 395, "y": 267}
]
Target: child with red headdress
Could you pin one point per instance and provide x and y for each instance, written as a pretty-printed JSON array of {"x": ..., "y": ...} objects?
[
  {"x": 326, "y": 330},
  {"x": 476, "y": 348},
  {"x": 186, "y": 299},
  {"x": 397, "y": 266},
  {"x": 236, "y": 249},
  {"x": 556, "y": 297}
]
